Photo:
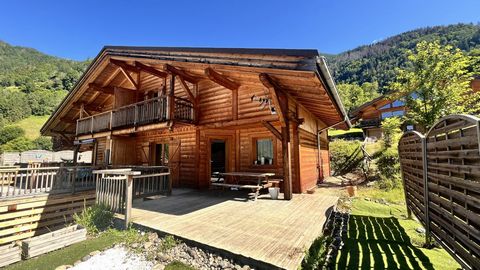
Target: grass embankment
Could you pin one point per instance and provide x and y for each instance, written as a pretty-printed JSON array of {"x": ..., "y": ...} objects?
[
  {"x": 31, "y": 125},
  {"x": 75, "y": 252},
  {"x": 381, "y": 236},
  {"x": 337, "y": 132}
]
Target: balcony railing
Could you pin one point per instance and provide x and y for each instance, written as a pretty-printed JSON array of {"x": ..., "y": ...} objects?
[
  {"x": 370, "y": 123},
  {"x": 149, "y": 111}
]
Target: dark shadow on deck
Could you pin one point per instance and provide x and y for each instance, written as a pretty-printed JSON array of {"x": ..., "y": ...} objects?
[
  {"x": 185, "y": 201},
  {"x": 379, "y": 243}
]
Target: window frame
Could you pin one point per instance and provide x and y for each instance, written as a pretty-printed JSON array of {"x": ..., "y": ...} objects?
[{"x": 254, "y": 151}]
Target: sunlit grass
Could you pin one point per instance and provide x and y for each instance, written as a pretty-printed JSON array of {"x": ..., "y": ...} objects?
[
  {"x": 32, "y": 125},
  {"x": 336, "y": 132},
  {"x": 381, "y": 236}
]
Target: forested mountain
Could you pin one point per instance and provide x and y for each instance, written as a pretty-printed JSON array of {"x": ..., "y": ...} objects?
[
  {"x": 29, "y": 69},
  {"x": 377, "y": 62}
]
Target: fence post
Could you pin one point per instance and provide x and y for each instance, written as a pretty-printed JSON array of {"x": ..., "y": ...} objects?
[
  {"x": 425, "y": 190},
  {"x": 128, "y": 199}
]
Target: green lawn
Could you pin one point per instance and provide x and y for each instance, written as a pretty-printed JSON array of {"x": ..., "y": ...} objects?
[
  {"x": 336, "y": 132},
  {"x": 67, "y": 255},
  {"x": 380, "y": 236},
  {"x": 32, "y": 125}
]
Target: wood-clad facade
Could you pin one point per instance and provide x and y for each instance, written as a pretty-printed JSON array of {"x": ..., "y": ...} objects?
[{"x": 254, "y": 110}]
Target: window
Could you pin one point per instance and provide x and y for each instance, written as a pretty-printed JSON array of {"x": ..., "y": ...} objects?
[
  {"x": 398, "y": 103},
  {"x": 264, "y": 151},
  {"x": 392, "y": 114},
  {"x": 161, "y": 154}
]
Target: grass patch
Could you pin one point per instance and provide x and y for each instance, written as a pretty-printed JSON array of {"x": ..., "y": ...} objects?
[
  {"x": 380, "y": 236},
  {"x": 70, "y": 254},
  {"x": 337, "y": 132},
  {"x": 32, "y": 125},
  {"x": 176, "y": 265}
]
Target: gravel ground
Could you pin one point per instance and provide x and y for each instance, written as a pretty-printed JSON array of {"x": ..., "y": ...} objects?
[
  {"x": 154, "y": 254},
  {"x": 116, "y": 258}
]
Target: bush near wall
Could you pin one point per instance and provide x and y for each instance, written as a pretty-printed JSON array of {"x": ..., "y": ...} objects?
[{"x": 341, "y": 152}]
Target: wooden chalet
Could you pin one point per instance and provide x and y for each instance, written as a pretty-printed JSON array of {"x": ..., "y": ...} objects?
[
  {"x": 369, "y": 116},
  {"x": 202, "y": 110}
]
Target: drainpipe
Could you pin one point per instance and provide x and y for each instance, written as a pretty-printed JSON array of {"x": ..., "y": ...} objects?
[{"x": 320, "y": 165}]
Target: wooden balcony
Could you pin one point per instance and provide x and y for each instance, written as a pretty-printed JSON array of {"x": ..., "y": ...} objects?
[{"x": 150, "y": 111}]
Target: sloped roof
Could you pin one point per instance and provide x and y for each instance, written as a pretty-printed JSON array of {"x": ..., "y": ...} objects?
[{"x": 316, "y": 91}]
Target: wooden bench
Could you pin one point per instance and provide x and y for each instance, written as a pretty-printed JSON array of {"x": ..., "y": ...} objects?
[{"x": 256, "y": 188}]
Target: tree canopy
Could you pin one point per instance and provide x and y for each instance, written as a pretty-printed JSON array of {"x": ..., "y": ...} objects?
[{"x": 435, "y": 83}]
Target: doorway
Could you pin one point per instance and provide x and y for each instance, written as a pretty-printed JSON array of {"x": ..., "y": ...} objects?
[{"x": 218, "y": 162}]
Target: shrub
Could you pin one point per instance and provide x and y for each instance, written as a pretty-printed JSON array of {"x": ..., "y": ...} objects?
[
  {"x": 9, "y": 133},
  {"x": 341, "y": 152},
  {"x": 44, "y": 143},
  {"x": 95, "y": 218},
  {"x": 388, "y": 165},
  {"x": 391, "y": 130},
  {"x": 19, "y": 144}
]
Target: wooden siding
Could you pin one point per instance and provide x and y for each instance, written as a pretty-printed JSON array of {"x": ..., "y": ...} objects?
[
  {"x": 186, "y": 136},
  {"x": 101, "y": 146},
  {"x": 124, "y": 151}
]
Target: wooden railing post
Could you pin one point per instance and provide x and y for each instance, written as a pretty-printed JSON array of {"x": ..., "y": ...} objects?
[{"x": 128, "y": 199}]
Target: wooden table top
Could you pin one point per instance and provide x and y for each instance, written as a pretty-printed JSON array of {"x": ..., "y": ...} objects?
[{"x": 250, "y": 174}]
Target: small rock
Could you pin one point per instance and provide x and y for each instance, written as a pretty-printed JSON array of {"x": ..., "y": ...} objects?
[
  {"x": 158, "y": 267},
  {"x": 420, "y": 230},
  {"x": 135, "y": 245},
  {"x": 93, "y": 253},
  {"x": 77, "y": 262},
  {"x": 152, "y": 236},
  {"x": 367, "y": 199},
  {"x": 147, "y": 245},
  {"x": 163, "y": 257},
  {"x": 86, "y": 258}
]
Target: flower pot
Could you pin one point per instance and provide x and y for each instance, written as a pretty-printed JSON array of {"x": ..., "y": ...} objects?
[
  {"x": 352, "y": 191},
  {"x": 274, "y": 191}
]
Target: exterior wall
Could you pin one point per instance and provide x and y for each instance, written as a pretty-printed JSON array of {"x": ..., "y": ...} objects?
[
  {"x": 374, "y": 132},
  {"x": 185, "y": 138}
]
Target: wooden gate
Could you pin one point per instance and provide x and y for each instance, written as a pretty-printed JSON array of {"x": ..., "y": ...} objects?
[{"x": 441, "y": 174}]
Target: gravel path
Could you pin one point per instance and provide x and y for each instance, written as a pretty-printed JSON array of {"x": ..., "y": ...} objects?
[{"x": 116, "y": 258}]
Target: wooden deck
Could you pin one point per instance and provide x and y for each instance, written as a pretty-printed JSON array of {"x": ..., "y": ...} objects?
[{"x": 274, "y": 233}]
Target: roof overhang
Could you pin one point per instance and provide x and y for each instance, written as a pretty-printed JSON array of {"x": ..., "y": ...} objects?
[{"x": 283, "y": 65}]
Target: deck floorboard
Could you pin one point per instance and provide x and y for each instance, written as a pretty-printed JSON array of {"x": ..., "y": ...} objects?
[{"x": 273, "y": 231}]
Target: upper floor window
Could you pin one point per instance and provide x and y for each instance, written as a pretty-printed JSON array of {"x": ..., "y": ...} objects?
[{"x": 392, "y": 114}]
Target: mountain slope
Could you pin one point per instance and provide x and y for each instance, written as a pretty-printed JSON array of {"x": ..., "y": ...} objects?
[
  {"x": 377, "y": 62},
  {"x": 28, "y": 69}
]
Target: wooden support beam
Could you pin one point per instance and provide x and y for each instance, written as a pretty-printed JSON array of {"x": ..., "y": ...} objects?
[
  {"x": 178, "y": 72},
  {"x": 273, "y": 130},
  {"x": 272, "y": 86},
  {"x": 107, "y": 89},
  {"x": 287, "y": 169},
  {"x": 150, "y": 70},
  {"x": 125, "y": 69},
  {"x": 221, "y": 79},
  {"x": 187, "y": 90},
  {"x": 68, "y": 120}
]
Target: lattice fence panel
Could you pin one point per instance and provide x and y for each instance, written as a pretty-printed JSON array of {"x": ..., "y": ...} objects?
[{"x": 451, "y": 162}]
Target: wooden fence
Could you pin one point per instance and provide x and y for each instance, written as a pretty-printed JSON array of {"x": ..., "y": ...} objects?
[
  {"x": 441, "y": 174},
  {"x": 117, "y": 188},
  {"x": 15, "y": 182}
]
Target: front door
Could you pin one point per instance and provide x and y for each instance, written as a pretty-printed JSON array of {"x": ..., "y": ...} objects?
[{"x": 218, "y": 162}]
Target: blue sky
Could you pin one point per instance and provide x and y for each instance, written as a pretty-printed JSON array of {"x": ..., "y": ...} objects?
[{"x": 79, "y": 29}]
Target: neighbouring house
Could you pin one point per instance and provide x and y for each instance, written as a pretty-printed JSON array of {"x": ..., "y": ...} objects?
[
  {"x": 205, "y": 110},
  {"x": 370, "y": 115}
]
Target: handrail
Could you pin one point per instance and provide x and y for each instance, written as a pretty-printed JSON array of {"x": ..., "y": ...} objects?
[{"x": 139, "y": 102}]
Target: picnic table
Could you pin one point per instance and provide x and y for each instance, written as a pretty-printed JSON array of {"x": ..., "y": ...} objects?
[{"x": 244, "y": 180}]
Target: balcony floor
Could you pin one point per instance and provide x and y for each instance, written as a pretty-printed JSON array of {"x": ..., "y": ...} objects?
[{"x": 267, "y": 233}]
